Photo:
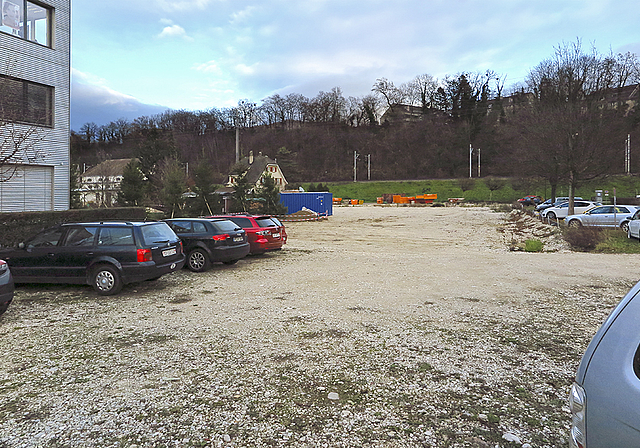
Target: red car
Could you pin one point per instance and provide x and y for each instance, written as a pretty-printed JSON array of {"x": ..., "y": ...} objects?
[{"x": 263, "y": 233}]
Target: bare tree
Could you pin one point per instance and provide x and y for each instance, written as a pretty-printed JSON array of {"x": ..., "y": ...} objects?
[
  {"x": 19, "y": 138},
  {"x": 386, "y": 89}
]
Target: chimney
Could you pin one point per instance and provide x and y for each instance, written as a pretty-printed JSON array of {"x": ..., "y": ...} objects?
[{"x": 250, "y": 157}]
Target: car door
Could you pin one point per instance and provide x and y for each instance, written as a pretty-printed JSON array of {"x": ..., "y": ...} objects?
[
  {"x": 37, "y": 259},
  {"x": 599, "y": 216},
  {"x": 77, "y": 249}
]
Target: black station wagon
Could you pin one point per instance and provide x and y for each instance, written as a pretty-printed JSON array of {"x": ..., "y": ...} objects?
[
  {"x": 105, "y": 255},
  {"x": 208, "y": 241}
]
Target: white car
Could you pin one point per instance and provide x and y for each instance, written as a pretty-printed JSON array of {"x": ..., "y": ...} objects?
[
  {"x": 633, "y": 227},
  {"x": 604, "y": 216},
  {"x": 562, "y": 211}
]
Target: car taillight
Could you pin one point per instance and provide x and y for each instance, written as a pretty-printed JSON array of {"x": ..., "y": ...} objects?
[
  {"x": 3, "y": 266},
  {"x": 222, "y": 237},
  {"x": 144, "y": 255},
  {"x": 577, "y": 405},
  {"x": 181, "y": 248}
]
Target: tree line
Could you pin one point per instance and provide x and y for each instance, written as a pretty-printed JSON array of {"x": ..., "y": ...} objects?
[{"x": 567, "y": 122}]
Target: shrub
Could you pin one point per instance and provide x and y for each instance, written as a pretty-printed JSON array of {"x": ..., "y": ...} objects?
[
  {"x": 583, "y": 238},
  {"x": 533, "y": 246}
]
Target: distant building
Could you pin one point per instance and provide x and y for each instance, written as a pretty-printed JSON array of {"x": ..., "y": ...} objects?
[
  {"x": 100, "y": 185},
  {"x": 34, "y": 95},
  {"x": 255, "y": 169}
]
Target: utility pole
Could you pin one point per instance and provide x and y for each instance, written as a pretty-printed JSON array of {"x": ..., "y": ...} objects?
[
  {"x": 627, "y": 155},
  {"x": 368, "y": 166},
  {"x": 478, "y": 162},
  {"x": 355, "y": 165},
  {"x": 470, "y": 159}
]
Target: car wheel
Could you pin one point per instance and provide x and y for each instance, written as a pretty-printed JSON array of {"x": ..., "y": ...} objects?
[
  {"x": 231, "y": 262},
  {"x": 106, "y": 280},
  {"x": 198, "y": 260},
  {"x": 551, "y": 216},
  {"x": 625, "y": 226},
  {"x": 574, "y": 223}
]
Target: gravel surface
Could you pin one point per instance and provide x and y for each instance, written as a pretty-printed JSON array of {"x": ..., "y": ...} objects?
[{"x": 379, "y": 327}]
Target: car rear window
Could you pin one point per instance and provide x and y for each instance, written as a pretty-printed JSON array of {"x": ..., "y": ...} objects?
[
  {"x": 225, "y": 226},
  {"x": 245, "y": 223},
  {"x": 265, "y": 222},
  {"x": 158, "y": 232},
  {"x": 116, "y": 236}
]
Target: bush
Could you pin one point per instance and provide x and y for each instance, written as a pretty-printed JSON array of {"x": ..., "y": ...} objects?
[
  {"x": 584, "y": 238},
  {"x": 533, "y": 246}
]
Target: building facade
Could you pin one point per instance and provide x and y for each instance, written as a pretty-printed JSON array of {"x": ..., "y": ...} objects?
[
  {"x": 35, "y": 78},
  {"x": 100, "y": 185}
]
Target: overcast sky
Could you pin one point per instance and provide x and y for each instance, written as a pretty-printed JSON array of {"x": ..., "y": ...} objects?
[{"x": 140, "y": 57}]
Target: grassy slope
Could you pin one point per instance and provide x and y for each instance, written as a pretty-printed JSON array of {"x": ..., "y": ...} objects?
[{"x": 626, "y": 187}]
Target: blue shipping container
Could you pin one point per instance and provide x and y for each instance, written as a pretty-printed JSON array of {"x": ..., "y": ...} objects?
[{"x": 321, "y": 203}]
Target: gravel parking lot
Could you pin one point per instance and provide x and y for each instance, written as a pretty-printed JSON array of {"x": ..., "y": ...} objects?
[{"x": 379, "y": 327}]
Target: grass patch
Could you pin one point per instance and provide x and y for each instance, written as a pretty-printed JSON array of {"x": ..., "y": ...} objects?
[{"x": 533, "y": 246}]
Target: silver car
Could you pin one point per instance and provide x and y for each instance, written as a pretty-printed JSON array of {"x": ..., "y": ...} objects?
[
  {"x": 604, "y": 216},
  {"x": 633, "y": 227},
  {"x": 605, "y": 398}
]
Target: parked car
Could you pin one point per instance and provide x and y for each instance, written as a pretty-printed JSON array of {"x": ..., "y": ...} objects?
[
  {"x": 6, "y": 286},
  {"x": 562, "y": 211},
  {"x": 283, "y": 230},
  {"x": 605, "y": 398},
  {"x": 604, "y": 216},
  {"x": 530, "y": 199},
  {"x": 209, "y": 241},
  {"x": 263, "y": 234},
  {"x": 552, "y": 203},
  {"x": 105, "y": 255},
  {"x": 633, "y": 226}
]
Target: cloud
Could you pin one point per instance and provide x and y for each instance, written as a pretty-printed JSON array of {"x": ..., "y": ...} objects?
[
  {"x": 173, "y": 31},
  {"x": 92, "y": 101},
  {"x": 183, "y": 5}
]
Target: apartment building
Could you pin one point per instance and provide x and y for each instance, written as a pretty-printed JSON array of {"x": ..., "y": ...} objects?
[{"x": 35, "y": 73}]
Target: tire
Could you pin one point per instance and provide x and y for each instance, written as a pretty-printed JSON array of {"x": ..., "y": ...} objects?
[
  {"x": 198, "y": 260},
  {"x": 551, "y": 216},
  {"x": 574, "y": 223},
  {"x": 106, "y": 280},
  {"x": 625, "y": 226},
  {"x": 231, "y": 262}
]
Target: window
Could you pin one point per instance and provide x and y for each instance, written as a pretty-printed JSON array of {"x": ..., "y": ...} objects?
[
  {"x": 47, "y": 238},
  {"x": 25, "y": 102},
  {"x": 35, "y": 27},
  {"x": 115, "y": 236},
  {"x": 181, "y": 226},
  {"x": 199, "y": 227},
  {"x": 81, "y": 236}
]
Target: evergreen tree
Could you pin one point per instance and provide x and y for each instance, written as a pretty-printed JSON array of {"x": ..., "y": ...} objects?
[
  {"x": 242, "y": 194},
  {"x": 270, "y": 194},
  {"x": 173, "y": 185},
  {"x": 132, "y": 186}
]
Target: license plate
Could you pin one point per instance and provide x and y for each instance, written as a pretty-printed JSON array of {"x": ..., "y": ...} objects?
[
  {"x": 168, "y": 252},
  {"x": 275, "y": 235},
  {"x": 237, "y": 239}
]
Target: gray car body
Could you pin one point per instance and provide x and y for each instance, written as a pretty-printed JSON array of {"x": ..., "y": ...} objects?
[
  {"x": 609, "y": 374},
  {"x": 604, "y": 216}
]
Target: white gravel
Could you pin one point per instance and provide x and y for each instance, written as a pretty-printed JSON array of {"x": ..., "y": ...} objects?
[{"x": 379, "y": 327}]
